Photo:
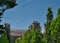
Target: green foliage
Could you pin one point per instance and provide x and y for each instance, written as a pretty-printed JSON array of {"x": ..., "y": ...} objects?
[
  {"x": 47, "y": 35},
  {"x": 3, "y": 39},
  {"x": 49, "y": 14},
  {"x": 52, "y": 34},
  {"x": 37, "y": 36},
  {"x": 31, "y": 36},
  {"x": 52, "y": 31},
  {"x": 57, "y": 27},
  {"x": 26, "y": 37}
]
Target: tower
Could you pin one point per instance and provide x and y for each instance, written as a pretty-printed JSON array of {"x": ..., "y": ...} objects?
[{"x": 36, "y": 24}]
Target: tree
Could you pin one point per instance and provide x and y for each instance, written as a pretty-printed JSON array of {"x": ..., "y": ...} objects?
[
  {"x": 37, "y": 36},
  {"x": 49, "y": 14},
  {"x": 52, "y": 31},
  {"x": 26, "y": 38},
  {"x": 57, "y": 28},
  {"x": 7, "y": 30},
  {"x": 32, "y": 35},
  {"x": 47, "y": 36}
]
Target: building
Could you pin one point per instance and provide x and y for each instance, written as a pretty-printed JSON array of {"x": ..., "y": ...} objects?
[
  {"x": 14, "y": 34},
  {"x": 35, "y": 25}
]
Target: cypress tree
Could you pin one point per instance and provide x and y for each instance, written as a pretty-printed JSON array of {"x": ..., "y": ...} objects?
[{"x": 47, "y": 36}]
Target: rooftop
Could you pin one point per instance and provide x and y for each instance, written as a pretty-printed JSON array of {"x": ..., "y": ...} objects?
[{"x": 17, "y": 32}]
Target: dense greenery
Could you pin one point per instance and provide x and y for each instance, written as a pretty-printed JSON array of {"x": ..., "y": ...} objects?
[
  {"x": 47, "y": 35},
  {"x": 52, "y": 34},
  {"x": 31, "y": 36},
  {"x": 55, "y": 28},
  {"x": 52, "y": 31},
  {"x": 34, "y": 35}
]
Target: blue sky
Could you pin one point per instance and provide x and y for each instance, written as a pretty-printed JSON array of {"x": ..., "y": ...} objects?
[{"x": 27, "y": 11}]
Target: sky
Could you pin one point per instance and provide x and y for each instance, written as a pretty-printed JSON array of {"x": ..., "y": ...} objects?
[{"x": 27, "y": 11}]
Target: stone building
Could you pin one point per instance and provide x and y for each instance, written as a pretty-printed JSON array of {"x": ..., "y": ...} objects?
[
  {"x": 35, "y": 25},
  {"x": 12, "y": 35}
]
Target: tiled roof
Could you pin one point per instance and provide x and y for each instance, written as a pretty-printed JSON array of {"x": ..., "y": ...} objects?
[{"x": 17, "y": 32}]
